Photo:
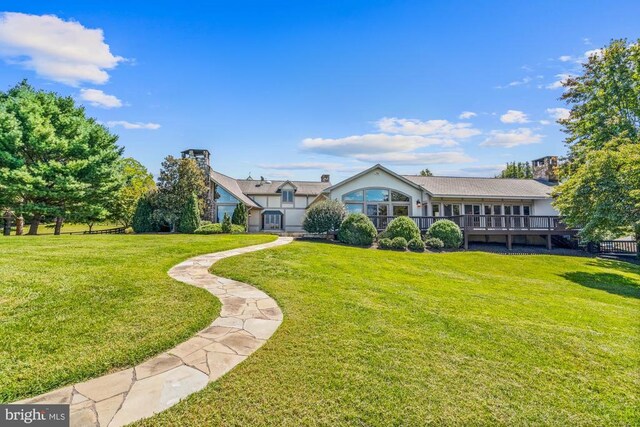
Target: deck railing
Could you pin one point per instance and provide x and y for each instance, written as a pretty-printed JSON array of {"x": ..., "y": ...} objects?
[
  {"x": 484, "y": 222},
  {"x": 617, "y": 247}
]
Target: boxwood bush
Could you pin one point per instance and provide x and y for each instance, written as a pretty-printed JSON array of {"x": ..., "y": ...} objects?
[
  {"x": 384, "y": 243},
  {"x": 447, "y": 231},
  {"x": 416, "y": 245},
  {"x": 217, "y": 229},
  {"x": 404, "y": 227},
  {"x": 357, "y": 229},
  {"x": 324, "y": 217},
  {"x": 433, "y": 243},
  {"x": 399, "y": 243}
]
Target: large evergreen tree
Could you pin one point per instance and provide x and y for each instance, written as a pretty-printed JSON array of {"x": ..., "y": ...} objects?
[
  {"x": 240, "y": 215},
  {"x": 516, "y": 170},
  {"x": 190, "y": 216},
  {"x": 600, "y": 180},
  {"x": 54, "y": 160}
]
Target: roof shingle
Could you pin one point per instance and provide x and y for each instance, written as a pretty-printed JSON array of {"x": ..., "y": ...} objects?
[{"x": 444, "y": 186}]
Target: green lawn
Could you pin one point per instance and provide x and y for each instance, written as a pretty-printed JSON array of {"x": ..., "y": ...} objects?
[
  {"x": 45, "y": 229},
  {"x": 373, "y": 338},
  {"x": 76, "y": 307}
]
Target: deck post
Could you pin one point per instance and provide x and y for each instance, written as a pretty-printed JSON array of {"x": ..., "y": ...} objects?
[
  {"x": 549, "y": 241},
  {"x": 466, "y": 241},
  {"x": 509, "y": 241}
]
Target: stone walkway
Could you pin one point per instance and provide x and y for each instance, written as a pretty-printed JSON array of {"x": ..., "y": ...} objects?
[{"x": 247, "y": 319}]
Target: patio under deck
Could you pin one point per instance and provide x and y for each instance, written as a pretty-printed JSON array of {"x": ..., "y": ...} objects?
[{"x": 493, "y": 225}]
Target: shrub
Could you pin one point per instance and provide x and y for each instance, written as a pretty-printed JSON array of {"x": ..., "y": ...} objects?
[
  {"x": 433, "y": 243},
  {"x": 324, "y": 217},
  {"x": 217, "y": 229},
  {"x": 204, "y": 222},
  {"x": 402, "y": 226},
  {"x": 384, "y": 243},
  {"x": 447, "y": 231},
  {"x": 239, "y": 216},
  {"x": 357, "y": 229},
  {"x": 226, "y": 223},
  {"x": 190, "y": 217},
  {"x": 144, "y": 220},
  {"x": 399, "y": 243},
  {"x": 416, "y": 245}
]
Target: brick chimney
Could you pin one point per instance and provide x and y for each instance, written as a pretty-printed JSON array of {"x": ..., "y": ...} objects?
[
  {"x": 324, "y": 178},
  {"x": 545, "y": 168}
]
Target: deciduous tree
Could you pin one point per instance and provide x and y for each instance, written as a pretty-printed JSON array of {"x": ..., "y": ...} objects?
[{"x": 137, "y": 182}]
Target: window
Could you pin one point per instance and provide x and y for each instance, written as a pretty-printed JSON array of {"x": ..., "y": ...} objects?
[
  {"x": 272, "y": 220},
  {"x": 507, "y": 210},
  {"x": 222, "y": 209},
  {"x": 377, "y": 195},
  {"x": 377, "y": 202},
  {"x": 527, "y": 210},
  {"x": 401, "y": 210},
  {"x": 223, "y": 196},
  {"x": 436, "y": 209},
  {"x": 354, "y": 196},
  {"x": 452, "y": 210},
  {"x": 287, "y": 196},
  {"x": 399, "y": 197}
]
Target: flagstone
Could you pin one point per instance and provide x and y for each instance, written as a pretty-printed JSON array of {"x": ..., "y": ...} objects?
[{"x": 248, "y": 317}]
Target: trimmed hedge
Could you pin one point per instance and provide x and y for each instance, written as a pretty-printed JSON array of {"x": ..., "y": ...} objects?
[
  {"x": 416, "y": 245},
  {"x": 433, "y": 243},
  {"x": 324, "y": 217},
  {"x": 357, "y": 229},
  {"x": 217, "y": 229},
  {"x": 447, "y": 231},
  {"x": 384, "y": 243},
  {"x": 399, "y": 243},
  {"x": 402, "y": 226}
]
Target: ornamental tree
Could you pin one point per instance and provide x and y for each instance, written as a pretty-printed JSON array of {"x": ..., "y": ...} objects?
[{"x": 137, "y": 182}]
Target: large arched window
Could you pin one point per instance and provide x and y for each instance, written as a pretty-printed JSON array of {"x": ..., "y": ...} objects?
[
  {"x": 377, "y": 202},
  {"x": 225, "y": 202}
]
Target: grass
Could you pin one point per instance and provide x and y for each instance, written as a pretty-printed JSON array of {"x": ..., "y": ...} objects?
[
  {"x": 373, "y": 338},
  {"x": 76, "y": 307}
]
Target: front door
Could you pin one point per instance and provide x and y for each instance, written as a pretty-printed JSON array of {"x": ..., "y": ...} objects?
[{"x": 272, "y": 221}]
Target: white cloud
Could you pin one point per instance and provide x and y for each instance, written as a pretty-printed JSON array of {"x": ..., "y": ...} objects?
[
  {"x": 545, "y": 122},
  {"x": 134, "y": 125},
  {"x": 514, "y": 116},
  {"x": 558, "y": 113},
  {"x": 62, "y": 51},
  {"x": 301, "y": 166},
  {"x": 98, "y": 98},
  {"x": 562, "y": 78},
  {"x": 437, "y": 128},
  {"x": 588, "y": 54},
  {"x": 445, "y": 157},
  {"x": 372, "y": 143},
  {"x": 513, "y": 138},
  {"x": 467, "y": 115},
  {"x": 565, "y": 58}
]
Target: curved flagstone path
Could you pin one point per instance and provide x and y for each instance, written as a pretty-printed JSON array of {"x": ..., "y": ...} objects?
[{"x": 247, "y": 319}]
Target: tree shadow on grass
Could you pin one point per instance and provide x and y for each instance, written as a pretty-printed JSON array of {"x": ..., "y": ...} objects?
[{"x": 608, "y": 282}]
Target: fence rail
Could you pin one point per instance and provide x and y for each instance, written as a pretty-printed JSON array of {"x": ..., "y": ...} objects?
[
  {"x": 617, "y": 247},
  {"x": 484, "y": 222}
]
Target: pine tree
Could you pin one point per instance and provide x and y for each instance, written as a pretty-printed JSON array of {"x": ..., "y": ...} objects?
[
  {"x": 239, "y": 216},
  {"x": 226, "y": 223},
  {"x": 190, "y": 218}
]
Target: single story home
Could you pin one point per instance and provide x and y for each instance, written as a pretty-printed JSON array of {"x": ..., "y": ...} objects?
[{"x": 486, "y": 209}]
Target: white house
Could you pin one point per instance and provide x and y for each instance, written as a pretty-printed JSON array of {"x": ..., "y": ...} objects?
[{"x": 481, "y": 206}]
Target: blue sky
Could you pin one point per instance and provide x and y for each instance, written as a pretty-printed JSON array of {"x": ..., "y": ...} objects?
[{"x": 296, "y": 89}]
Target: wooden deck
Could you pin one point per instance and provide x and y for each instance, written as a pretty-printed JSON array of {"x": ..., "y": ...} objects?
[{"x": 494, "y": 225}]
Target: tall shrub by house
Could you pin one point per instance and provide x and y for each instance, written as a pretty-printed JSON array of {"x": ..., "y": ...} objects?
[
  {"x": 357, "y": 229},
  {"x": 190, "y": 218},
  {"x": 324, "y": 217},
  {"x": 402, "y": 226},
  {"x": 226, "y": 224},
  {"x": 240, "y": 215},
  {"x": 448, "y": 232}
]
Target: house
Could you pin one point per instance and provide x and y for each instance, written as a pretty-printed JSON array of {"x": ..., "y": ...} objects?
[{"x": 486, "y": 209}]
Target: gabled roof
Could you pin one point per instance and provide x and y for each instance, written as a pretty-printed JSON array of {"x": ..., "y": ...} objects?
[
  {"x": 446, "y": 186},
  {"x": 231, "y": 185},
  {"x": 295, "y": 187},
  {"x": 303, "y": 188},
  {"x": 366, "y": 171}
]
